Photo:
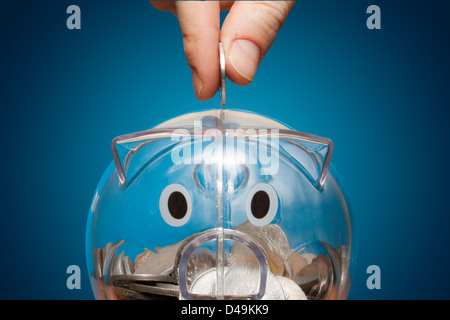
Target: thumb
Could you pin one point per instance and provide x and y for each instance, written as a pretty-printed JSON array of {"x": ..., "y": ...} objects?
[{"x": 247, "y": 34}]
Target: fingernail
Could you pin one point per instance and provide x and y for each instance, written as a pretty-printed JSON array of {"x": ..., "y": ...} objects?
[
  {"x": 244, "y": 57},
  {"x": 197, "y": 82}
]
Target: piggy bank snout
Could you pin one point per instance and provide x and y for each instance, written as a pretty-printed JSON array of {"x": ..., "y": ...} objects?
[{"x": 218, "y": 279}]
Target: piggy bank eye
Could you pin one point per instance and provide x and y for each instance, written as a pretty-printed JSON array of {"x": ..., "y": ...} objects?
[
  {"x": 262, "y": 204},
  {"x": 175, "y": 205}
]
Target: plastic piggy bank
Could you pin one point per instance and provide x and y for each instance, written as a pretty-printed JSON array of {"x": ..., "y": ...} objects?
[{"x": 220, "y": 204}]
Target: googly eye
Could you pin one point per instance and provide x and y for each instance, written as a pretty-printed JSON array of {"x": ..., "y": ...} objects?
[
  {"x": 262, "y": 204},
  {"x": 175, "y": 205}
]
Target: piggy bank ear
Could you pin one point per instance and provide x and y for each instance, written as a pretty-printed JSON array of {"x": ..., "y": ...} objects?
[
  {"x": 309, "y": 153},
  {"x": 132, "y": 152}
]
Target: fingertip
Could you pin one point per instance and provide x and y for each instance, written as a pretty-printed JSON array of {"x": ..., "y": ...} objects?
[
  {"x": 205, "y": 85},
  {"x": 197, "y": 83},
  {"x": 168, "y": 6},
  {"x": 235, "y": 77},
  {"x": 243, "y": 59},
  {"x": 205, "y": 94},
  {"x": 247, "y": 34}
]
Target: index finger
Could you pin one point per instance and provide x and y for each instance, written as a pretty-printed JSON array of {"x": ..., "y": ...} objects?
[{"x": 200, "y": 27}]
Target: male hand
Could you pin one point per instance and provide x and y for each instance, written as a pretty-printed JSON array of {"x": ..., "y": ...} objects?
[{"x": 247, "y": 33}]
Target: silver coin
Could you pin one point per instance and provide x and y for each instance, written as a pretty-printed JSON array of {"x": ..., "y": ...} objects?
[
  {"x": 222, "y": 75},
  {"x": 158, "y": 289}
]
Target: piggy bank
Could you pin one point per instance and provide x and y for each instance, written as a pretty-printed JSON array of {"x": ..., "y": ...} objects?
[{"x": 220, "y": 204}]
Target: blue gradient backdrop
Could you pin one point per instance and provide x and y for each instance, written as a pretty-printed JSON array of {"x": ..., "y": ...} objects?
[{"x": 382, "y": 96}]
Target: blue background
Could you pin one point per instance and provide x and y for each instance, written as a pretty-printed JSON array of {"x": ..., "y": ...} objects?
[{"x": 382, "y": 96}]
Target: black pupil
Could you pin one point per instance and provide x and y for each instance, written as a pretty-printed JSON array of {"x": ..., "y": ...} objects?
[
  {"x": 260, "y": 204},
  {"x": 177, "y": 205}
]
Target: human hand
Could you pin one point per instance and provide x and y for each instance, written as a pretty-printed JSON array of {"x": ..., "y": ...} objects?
[{"x": 247, "y": 33}]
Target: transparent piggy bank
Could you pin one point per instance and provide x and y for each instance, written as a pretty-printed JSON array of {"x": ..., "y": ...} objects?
[{"x": 219, "y": 204}]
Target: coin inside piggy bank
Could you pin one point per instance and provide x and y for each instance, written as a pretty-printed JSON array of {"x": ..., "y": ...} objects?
[{"x": 220, "y": 204}]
